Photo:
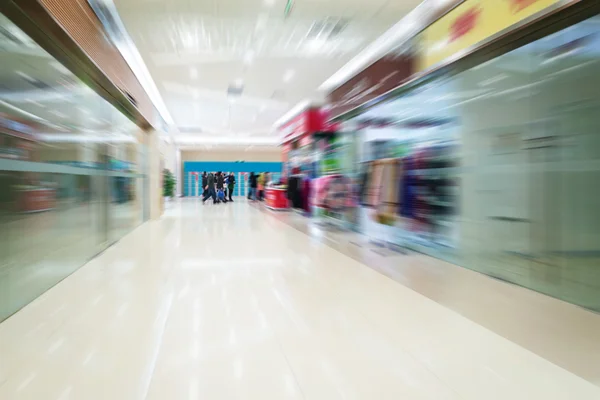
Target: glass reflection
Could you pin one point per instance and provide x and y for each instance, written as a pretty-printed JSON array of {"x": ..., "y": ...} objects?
[
  {"x": 70, "y": 173},
  {"x": 503, "y": 160}
]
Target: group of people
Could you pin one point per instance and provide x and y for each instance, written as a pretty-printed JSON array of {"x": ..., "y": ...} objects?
[
  {"x": 218, "y": 186},
  {"x": 257, "y": 183}
]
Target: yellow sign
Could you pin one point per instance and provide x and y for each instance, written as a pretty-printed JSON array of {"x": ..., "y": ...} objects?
[{"x": 471, "y": 23}]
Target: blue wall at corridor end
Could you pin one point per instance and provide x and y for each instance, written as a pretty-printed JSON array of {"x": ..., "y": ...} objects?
[{"x": 226, "y": 166}]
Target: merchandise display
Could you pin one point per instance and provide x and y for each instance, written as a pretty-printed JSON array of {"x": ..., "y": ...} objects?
[
  {"x": 489, "y": 167},
  {"x": 276, "y": 197}
]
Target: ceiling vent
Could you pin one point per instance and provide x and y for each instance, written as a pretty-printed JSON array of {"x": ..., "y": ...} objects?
[{"x": 327, "y": 29}]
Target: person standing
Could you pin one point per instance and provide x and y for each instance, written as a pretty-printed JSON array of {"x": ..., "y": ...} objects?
[
  {"x": 204, "y": 183},
  {"x": 261, "y": 185},
  {"x": 210, "y": 189},
  {"x": 231, "y": 185},
  {"x": 221, "y": 183},
  {"x": 253, "y": 181}
]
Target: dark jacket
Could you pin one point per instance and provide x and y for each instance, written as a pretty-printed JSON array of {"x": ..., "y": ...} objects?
[
  {"x": 220, "y": 181},
  {"x": 204, "y": 180},
  {"x": 231, "y": 180},
  {"x": 253, "y": 182},
  {"x": 210, "y": 181}
]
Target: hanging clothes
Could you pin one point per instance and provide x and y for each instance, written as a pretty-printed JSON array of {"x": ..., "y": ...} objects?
[
  {"x": 390, "y": 194},
  {"x": 294, "y": 191},
  {"x": 373, "y": 191},
  {"x": 306, "y": 193},
  {"x": 407, "y": 188}
]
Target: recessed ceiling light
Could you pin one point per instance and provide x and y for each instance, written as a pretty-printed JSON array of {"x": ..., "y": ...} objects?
[
  {"x": 269, "y": 3},
  {"x": 289, "y": 74},
  {"x": 193, "y": 72},
  {"x": 238, "y": 82},
  {"x": 315, "y": 45}
]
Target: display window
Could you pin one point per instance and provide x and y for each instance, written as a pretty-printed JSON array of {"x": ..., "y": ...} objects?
[{"x": 493, "y": 168}]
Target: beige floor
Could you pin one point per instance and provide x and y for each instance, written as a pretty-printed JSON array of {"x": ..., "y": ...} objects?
[
  {"x": 563, "y": 333},
  {"x": 228, "y": 302}
]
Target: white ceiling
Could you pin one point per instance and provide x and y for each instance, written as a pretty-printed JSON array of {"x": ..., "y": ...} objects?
[{"x": 196, "y": 49}]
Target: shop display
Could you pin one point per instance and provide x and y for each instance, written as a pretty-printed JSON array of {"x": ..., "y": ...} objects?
[{"x": 276, "y": 197}]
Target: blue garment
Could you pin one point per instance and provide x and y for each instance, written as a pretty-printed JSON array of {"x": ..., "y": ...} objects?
[
  {"x": 210, "y": 192},
  {"x": 408, "y": 188}
]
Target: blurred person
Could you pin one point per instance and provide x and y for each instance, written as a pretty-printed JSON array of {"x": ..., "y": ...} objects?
[
  {"x": 220, "y": 186},
  {"x": 253, "y": 182},
  {"x": 231, "y": 185},
  {"x": 261, "y": 185},
  {"x": 210, "y": 189},
  {"x": 204, "y": 183}
]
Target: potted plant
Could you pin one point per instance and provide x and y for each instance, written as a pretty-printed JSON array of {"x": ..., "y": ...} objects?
[{"x": 168, "y": 184}]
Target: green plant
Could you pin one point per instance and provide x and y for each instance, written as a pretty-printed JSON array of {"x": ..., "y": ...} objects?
[{"x": 168, "y": 183}]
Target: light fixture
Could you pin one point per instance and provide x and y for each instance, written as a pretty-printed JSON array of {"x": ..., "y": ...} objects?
[
  {"x": 269, "y": 3},
  {"x": 315, "y": 45},
  {"x": 289, "y": 75},
  {"x": 194, "y": 73},
  {"x": 239, "y": 82},
  {"x": 113, "y": 25}
]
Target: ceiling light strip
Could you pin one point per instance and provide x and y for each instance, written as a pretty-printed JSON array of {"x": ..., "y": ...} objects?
[{"x": 117, "y": 33}]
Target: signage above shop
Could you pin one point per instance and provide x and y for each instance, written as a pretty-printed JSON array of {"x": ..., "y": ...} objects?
[
  {"x": 379, "y": 78},
  {"x": 471, "y": 24},
  {"x": 308, "y": 122}
]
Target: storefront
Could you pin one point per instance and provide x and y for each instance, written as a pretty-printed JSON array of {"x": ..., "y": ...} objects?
[{"x": 488, "y": 161}]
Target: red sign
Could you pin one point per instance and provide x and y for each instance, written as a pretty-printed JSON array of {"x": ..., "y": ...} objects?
[
  {"x": 518, "y": 5},
  {"x": 465, "y": 23},
  {"x": 307, "y": 123},
  {"x": 276, "y": 198}
]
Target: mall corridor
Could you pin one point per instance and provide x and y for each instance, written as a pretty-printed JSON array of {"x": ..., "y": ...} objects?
[{"x": 230, "y": 302}]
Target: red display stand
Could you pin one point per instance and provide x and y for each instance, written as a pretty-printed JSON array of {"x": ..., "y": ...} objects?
[{"x": 276, "y": 199}]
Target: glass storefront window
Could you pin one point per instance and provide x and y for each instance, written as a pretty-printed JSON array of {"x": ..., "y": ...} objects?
[
  {"x": 70, "y": 172},
  {"x": 504, "y": 160}
]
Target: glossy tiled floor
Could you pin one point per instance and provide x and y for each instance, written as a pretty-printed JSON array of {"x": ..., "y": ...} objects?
[{"x": 227, "y": 302}]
